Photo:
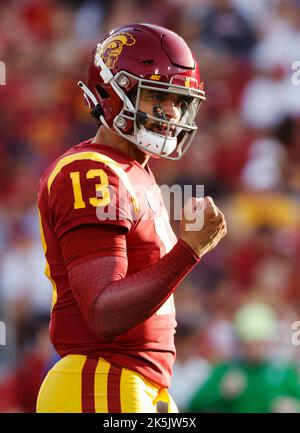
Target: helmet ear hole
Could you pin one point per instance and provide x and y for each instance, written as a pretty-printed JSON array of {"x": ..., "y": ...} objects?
[{"x": 102, "y": 92}]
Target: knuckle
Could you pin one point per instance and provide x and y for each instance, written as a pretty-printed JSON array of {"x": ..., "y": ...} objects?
[
  {"x": 208, "y": 200},
  {"x": 211, "y": 209},
  {"x": 220, "y": 218}
]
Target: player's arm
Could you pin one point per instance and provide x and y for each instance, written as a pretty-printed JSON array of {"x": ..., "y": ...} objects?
[{"x": 113, "y": 302}]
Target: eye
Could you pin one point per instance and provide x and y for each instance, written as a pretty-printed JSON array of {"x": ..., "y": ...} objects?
[{"x": 156, "y": 96}]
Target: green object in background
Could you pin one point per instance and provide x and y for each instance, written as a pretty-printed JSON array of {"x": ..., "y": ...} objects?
[
  {"x": 256, "y": 322},
  {"x": 249, "y": 387}
]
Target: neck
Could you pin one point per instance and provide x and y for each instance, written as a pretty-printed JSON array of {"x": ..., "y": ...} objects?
[{"x": 109, "y": 138}]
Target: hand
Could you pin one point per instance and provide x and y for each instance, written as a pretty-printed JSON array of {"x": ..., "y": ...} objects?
[{"x": 209, "y": 226}]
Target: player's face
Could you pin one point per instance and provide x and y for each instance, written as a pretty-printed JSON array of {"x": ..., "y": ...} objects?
[
  {"x": 166, "y": 106},
  {"x": 258, "y": 350}
]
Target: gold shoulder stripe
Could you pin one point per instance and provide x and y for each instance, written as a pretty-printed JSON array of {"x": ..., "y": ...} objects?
[{"x": 95, "y": 156}]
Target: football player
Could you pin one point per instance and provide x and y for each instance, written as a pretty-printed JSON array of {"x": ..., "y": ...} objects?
[{"x": 111, "y": 254}]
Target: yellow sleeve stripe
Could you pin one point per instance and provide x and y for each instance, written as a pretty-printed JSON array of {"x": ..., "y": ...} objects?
[
  {"x": 95, "y": 156},
  {"x": 47, "y": 267}
]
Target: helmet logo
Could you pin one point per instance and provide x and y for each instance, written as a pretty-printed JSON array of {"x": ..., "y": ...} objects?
[
  {"x": 111, "y": 48},
  {"x": 155, "y": 77},
  {"x": 185, "y": 81}
]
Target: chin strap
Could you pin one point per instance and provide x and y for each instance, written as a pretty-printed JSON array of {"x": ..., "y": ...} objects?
[{"x": 90, "y": 98}]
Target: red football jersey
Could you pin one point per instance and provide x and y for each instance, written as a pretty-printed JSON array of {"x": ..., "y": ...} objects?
[{"x": 96, "y": 184}]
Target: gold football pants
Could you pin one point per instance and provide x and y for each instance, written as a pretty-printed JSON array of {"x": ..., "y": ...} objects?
[{"x": 78, "y": 383}]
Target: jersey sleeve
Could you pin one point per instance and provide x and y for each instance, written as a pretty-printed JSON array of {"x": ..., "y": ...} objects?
[{"x": 88, "y": 192}]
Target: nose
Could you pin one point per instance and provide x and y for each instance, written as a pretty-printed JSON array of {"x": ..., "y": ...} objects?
[{"x": 171, "y": 110}]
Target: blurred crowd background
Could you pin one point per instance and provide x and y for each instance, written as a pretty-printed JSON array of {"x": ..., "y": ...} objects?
[{"x": 237, "y": 338}]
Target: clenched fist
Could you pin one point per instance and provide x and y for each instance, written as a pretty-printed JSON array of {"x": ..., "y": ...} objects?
[{"x": 203, "y": 225}]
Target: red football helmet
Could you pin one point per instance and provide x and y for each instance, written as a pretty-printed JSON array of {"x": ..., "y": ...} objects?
[{"x": 144, "y": 57}]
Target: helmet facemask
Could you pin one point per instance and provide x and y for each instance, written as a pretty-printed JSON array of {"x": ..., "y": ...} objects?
[{"x": 154, "y": 133}]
